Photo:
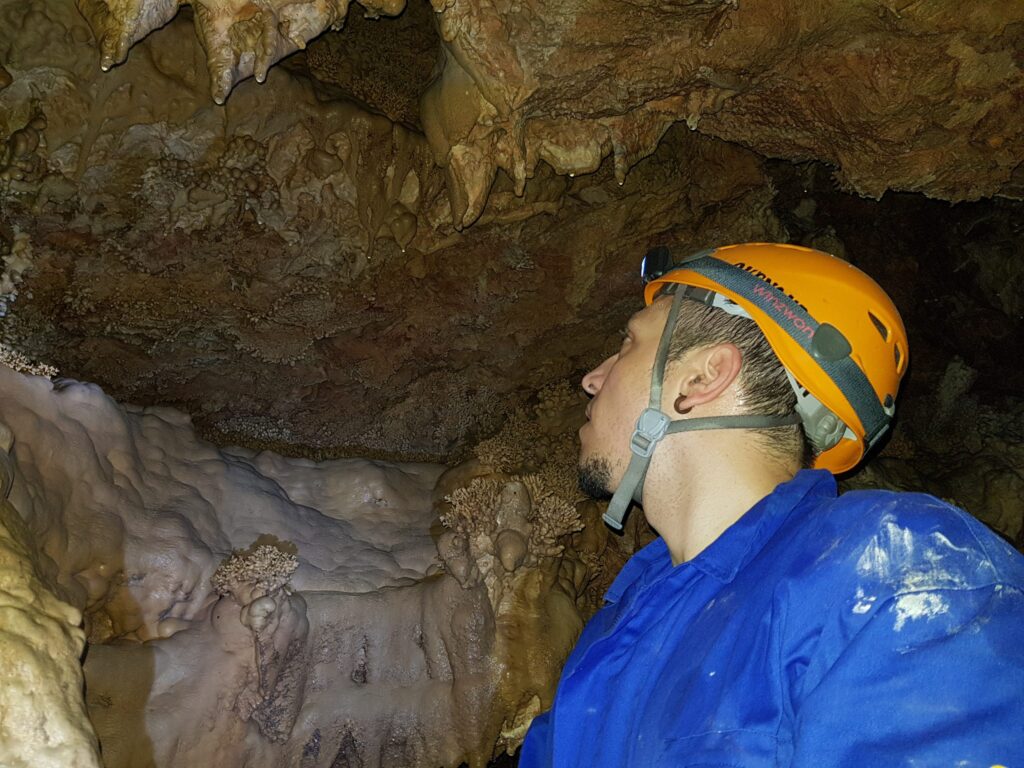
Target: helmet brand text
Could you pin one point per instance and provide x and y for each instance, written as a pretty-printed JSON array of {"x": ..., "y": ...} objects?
[
  {"x": 762, "y": 276},
  {"x": 776, "y": 303}
]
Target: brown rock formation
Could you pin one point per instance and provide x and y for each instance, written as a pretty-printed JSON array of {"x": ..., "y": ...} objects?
[
  {"x": 920, "y": 96},
  {"x": 291, "y": 257},
  {"x": 246, "y": 263},
  {"x": 241, "y": 39}
]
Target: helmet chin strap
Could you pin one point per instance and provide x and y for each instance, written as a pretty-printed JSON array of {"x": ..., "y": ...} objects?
[{"x": 654, "y": 424}]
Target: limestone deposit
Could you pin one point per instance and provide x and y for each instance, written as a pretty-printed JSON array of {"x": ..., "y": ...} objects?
[
  {"x": 44, "y": 720},
  {"x": 302, "y": 609}
]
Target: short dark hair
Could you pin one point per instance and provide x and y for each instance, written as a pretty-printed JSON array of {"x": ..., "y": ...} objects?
[{"x": 763, "y": 385}]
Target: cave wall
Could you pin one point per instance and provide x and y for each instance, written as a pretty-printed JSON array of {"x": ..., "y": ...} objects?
[{"x": 294, "y": 268}]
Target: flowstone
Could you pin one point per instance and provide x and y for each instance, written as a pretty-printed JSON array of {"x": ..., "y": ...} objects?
[
  {"x": 44, "y": 724},
  {"x": 251, "y": 610}
]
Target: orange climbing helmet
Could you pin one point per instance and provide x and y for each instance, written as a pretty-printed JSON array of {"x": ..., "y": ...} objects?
[{"x": 836, "y": 332}]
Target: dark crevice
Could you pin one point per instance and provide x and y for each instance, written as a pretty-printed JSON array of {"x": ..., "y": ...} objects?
[{"x": 381, "y": 64}]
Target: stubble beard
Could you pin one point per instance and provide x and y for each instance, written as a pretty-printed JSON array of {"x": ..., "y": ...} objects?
[{"x": 595, "y": 478}]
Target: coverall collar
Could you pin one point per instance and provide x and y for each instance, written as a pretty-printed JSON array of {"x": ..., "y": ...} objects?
[{"x": 738, "y": 544}]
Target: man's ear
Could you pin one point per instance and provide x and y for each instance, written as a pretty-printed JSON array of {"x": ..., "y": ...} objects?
[{"x": 703, "y": 375}]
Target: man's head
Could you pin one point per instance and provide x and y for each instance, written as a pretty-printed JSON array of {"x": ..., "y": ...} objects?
[
  {"x": 716, "y": 360},
  {"x": 749, "y": 334}
]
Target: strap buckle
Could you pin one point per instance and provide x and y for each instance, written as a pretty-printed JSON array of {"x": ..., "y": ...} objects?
[{"x": 650, "y": 428}]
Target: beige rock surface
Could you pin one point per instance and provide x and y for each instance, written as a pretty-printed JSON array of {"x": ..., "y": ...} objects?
[
  {"x": 252, "y": 611},
  {"x": 43, "y": 722}
]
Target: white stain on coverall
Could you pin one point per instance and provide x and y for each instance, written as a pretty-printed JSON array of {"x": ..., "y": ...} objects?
[{"x": 913, "y": 566}]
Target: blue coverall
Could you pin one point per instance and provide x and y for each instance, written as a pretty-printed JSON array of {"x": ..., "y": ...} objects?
[{"x": 868, "y": 629}]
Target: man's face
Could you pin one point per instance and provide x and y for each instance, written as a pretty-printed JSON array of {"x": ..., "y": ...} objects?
[{"x": 621, "y": 388}]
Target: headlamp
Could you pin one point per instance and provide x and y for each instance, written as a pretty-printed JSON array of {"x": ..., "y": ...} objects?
[
  {"x": 659, "y": 261},
  {"x": 656, "y": 262}
]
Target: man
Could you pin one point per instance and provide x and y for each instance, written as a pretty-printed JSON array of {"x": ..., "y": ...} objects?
[{"x": 774, "y": 623}]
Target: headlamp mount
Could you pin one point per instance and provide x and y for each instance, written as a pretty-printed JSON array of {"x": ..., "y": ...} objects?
[{"x": 659, "y": 261}]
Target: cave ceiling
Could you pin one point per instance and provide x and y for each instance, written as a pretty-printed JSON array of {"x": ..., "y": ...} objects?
[{"x": 377, "y": 228}]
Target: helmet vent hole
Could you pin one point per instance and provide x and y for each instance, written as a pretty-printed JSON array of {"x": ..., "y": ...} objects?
[
  {"x": 881, "y": 327},
  {"x": 898, "y": 356}
]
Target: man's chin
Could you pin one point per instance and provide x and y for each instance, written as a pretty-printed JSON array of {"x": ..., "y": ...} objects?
[{"x": 595, "y": 477}]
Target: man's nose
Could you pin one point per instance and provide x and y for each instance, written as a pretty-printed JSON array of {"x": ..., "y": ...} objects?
[{"x": 594, "y": 380}]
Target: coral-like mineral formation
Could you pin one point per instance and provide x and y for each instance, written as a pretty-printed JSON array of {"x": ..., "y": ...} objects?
[{"x": 517, "y": 525}]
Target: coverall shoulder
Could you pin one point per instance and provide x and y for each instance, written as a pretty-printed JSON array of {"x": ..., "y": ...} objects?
[{"x": 867, "y": 629}]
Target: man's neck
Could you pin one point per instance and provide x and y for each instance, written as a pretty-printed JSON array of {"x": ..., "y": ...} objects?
[{"x": 706, "y": 492}]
